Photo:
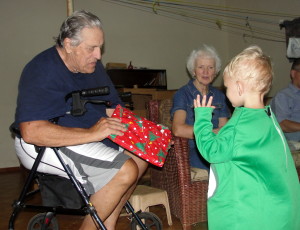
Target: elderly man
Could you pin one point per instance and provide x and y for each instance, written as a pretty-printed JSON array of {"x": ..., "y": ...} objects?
[
  {"x": 286, "y": 105},
  {"x": 107, "y": 174}
]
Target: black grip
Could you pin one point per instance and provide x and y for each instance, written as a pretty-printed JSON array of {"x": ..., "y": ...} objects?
[{"x": 95, "y": 91}]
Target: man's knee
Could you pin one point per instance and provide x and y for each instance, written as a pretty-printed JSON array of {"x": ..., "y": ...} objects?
[{"x": 129, "y": 172}]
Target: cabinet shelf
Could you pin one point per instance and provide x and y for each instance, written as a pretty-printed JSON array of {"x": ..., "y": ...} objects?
[{"x": 140, "y": 78}]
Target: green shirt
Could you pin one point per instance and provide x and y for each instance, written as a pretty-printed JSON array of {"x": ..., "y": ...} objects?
[{"x": 257, "y": 186}]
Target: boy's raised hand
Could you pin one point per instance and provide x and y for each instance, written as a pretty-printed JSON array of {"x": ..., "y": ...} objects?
[{"x": 199, "y": 103}]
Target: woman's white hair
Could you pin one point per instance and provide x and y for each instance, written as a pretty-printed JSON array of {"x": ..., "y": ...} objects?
[{"x": 203, "y": 52}]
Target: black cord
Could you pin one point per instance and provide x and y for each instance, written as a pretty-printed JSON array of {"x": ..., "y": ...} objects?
[{"x": 41, "y": 161}]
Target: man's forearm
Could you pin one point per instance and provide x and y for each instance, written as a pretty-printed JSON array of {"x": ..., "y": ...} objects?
[
  {"x": 289, "y": 126},
  {"x": 44, "y": 133}
]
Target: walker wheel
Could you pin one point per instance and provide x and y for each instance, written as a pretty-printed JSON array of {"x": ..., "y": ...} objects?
[
  {"x": 150, "y": 220},
  {"x": 39, "y": 222}
]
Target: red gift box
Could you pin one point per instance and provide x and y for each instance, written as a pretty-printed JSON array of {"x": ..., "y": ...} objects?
[{"x": 144, "y": 138}]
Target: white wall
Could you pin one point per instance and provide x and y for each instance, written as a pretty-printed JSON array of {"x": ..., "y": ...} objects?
[
  {"x": 148, "y": 40},
  {"x": 27, "y": 27}
]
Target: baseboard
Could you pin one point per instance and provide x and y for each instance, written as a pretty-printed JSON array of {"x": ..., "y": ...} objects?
[{"x": 11, "y": 169}]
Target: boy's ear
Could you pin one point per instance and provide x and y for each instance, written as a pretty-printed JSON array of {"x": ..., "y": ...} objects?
[{"x": 240, "y": 88}]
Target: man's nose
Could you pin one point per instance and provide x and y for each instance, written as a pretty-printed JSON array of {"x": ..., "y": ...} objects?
[{"x": 97, "y": 53}]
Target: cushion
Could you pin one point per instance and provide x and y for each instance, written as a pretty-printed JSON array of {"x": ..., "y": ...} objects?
[
  {"x": 296, "y": 157},
  {"x": 198, "y": 174},
  {"x": 294, "y": 145}
]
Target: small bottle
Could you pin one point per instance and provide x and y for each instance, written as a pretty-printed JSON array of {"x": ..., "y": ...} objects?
[{"x": 130, "y": 65}]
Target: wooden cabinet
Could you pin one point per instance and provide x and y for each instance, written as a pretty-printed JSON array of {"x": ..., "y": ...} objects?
[
  {"x": 143, "y": 84},
  {"x": 141, "y": 95}
]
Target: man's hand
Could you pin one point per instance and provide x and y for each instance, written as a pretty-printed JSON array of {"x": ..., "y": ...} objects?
[
  {"x": 108, "y": 126},
  {"x": 199, "y": 103}
]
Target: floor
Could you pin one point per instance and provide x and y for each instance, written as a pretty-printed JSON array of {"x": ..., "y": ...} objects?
[{"x": 11, "y": 185}]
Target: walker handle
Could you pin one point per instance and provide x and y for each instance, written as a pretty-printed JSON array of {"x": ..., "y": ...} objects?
[{"x": 95, "y": 91}]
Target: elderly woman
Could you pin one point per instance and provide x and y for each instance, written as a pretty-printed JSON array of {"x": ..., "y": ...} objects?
[{"x": 203, "y": 65}]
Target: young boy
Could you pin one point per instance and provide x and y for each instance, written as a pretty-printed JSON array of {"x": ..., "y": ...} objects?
[{"x": 253, "y": 183}]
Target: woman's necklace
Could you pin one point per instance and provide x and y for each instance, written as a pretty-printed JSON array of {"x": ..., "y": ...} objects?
[{"x": 203, "y": 89}]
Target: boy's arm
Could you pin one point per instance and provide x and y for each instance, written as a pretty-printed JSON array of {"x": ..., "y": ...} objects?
[{"x": 214, "y": 148}]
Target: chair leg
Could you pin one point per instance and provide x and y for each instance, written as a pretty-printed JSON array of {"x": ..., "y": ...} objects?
[{"x": 18, "y": 205}]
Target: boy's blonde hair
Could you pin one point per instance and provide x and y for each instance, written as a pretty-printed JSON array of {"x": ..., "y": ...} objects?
[{"x": 253, "y": 66}]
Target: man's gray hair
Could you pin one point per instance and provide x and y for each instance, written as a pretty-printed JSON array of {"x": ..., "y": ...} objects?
[{"x": 74, "y": 24}]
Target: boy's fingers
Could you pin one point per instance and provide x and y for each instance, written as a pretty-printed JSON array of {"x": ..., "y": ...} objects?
[
  {"x": 204, "y": 101},
  {"x": 198, "y": 101},
  {"x": 209, "y": 101}
]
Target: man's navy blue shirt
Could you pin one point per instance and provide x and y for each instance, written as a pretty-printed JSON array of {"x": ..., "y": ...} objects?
[{"x": 44, "y": 84}]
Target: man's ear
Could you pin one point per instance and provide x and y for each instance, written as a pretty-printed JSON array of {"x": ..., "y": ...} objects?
[
  {"x": 67, "y": 45},
  {"x": 293, "y": 72},
  {"x": 240, "y": 88}
]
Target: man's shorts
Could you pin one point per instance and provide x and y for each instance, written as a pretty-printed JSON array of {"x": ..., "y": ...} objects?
[{"x": 93, "y": 164}]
